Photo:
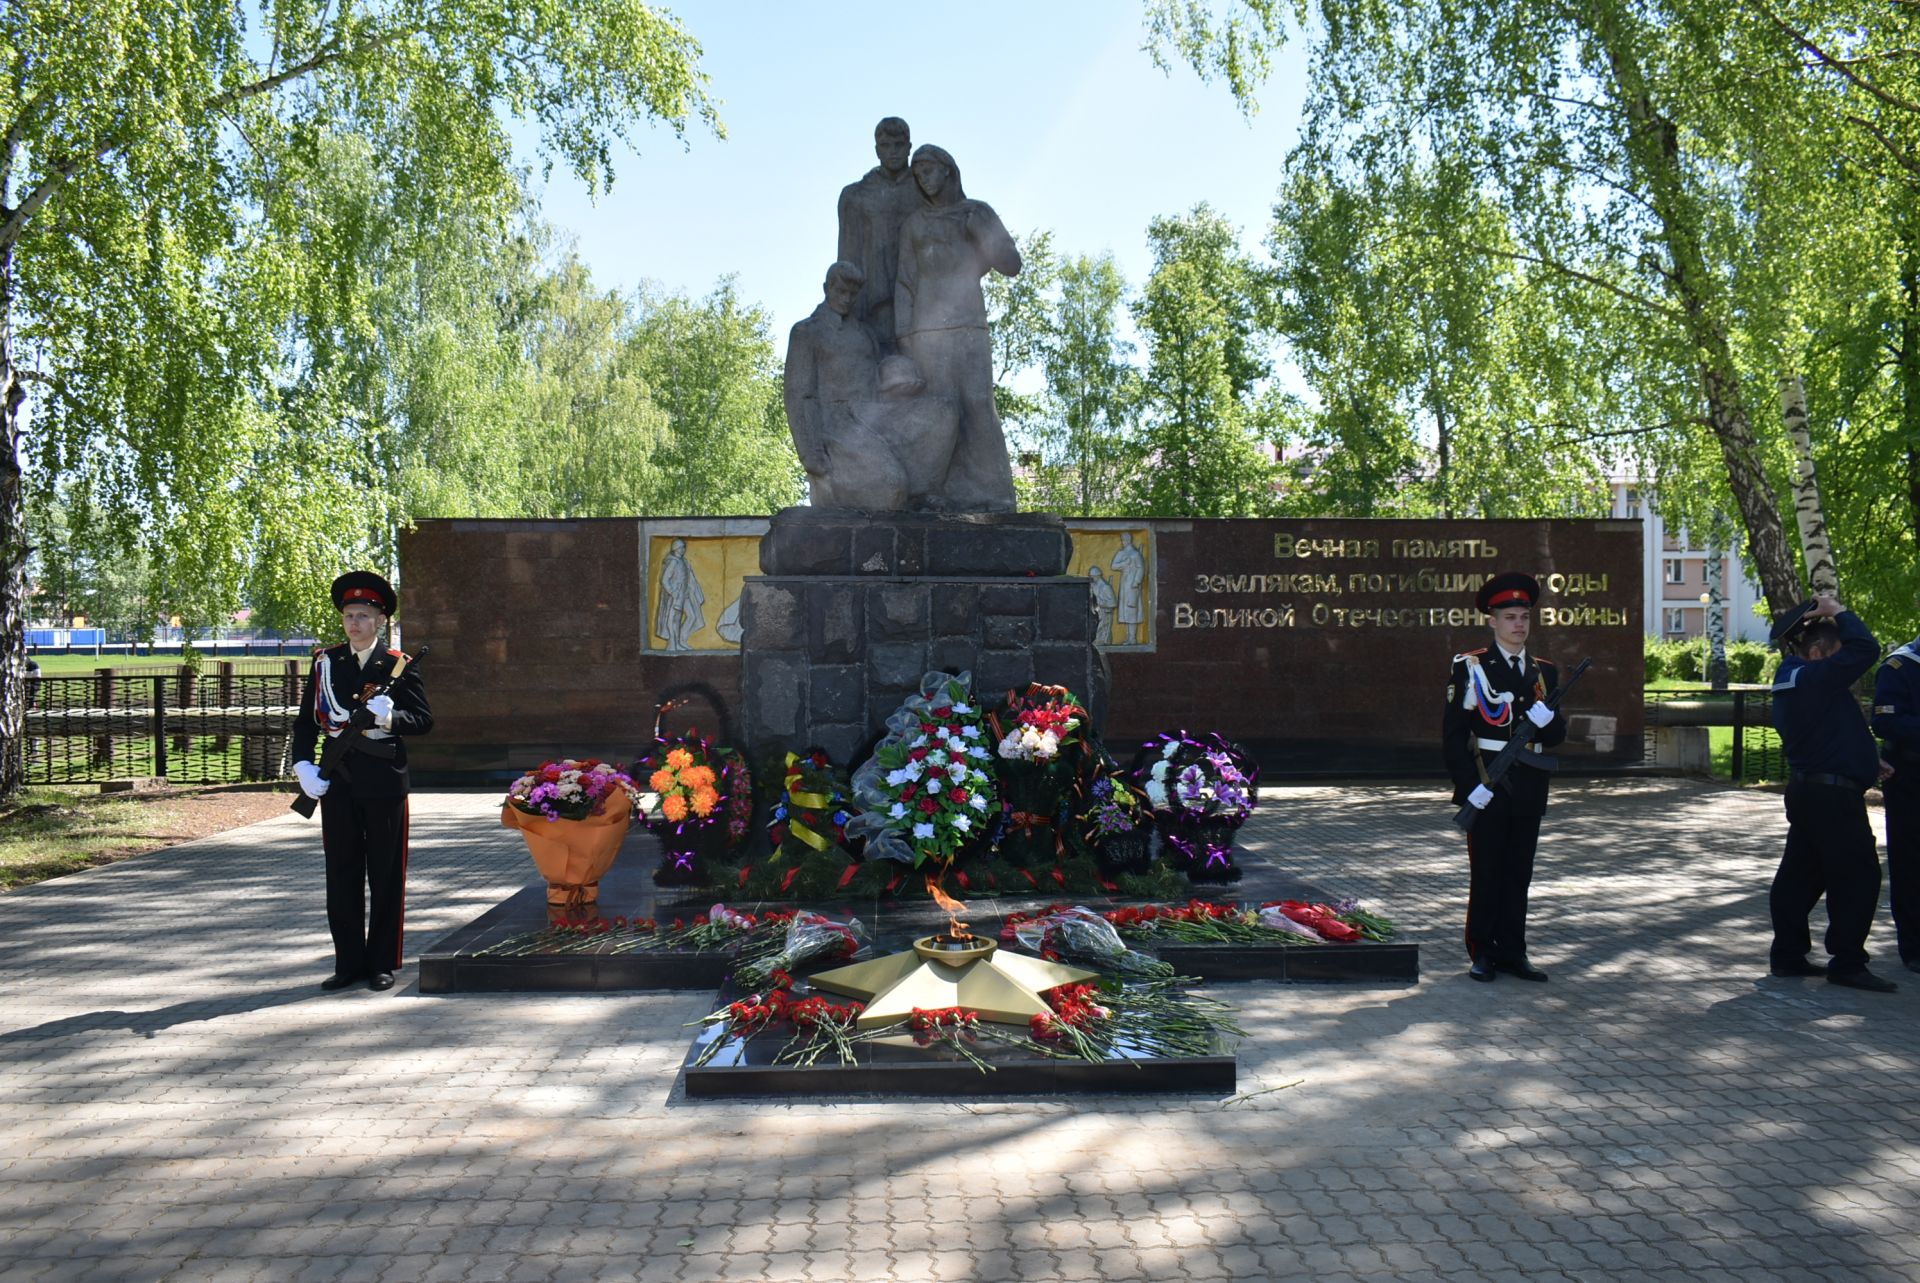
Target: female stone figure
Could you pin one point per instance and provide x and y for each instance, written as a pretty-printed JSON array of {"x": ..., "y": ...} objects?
[{"x": 940, "y": 315}]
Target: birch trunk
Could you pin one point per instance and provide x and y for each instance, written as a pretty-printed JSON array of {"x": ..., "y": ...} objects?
[
  {"x": 13, "y": 548},
  {"x": 1716, "y": 616},
  {"x": 1908, "y": 357},
  {"x": 1653, "y": 143},
  {"x": 1806, "y": 490}
]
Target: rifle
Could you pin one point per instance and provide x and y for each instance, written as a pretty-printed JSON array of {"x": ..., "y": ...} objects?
[
  {"x": 338, "y": 746},
  {"x": 1523, "y": 732}
]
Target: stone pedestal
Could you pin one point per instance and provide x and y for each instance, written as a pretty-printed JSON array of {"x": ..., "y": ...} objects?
[{"x": 854, "y": 607}]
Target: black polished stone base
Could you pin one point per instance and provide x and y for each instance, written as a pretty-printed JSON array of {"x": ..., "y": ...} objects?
[
  {"x": 1357, "y": 963},
  {"x": 455, "y": 963},
  {"x": 898, "y": 1066}
]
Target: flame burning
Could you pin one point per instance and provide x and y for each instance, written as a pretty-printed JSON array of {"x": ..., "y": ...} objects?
[{"x": 952, "y": 908}]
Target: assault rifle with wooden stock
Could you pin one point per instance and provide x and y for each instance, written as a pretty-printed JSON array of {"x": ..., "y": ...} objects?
[
  {"x": 1522, "y": 735},
  {"x": 338, "y": 746}
]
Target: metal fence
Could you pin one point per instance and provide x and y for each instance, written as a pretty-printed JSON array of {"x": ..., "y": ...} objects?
[
  {"x": 1738, "y": 723},
  {"x": 213, "y": 727}
]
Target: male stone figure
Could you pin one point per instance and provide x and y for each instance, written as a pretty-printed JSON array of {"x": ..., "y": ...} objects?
[
  {"x": 871, "y": 212},
  {"x": 681, "y": 600},
  {"x": 940, "y": 315},
  {"x": 1100, "y": 593},
  {"x": 1130, "y": 564},
  {"x": 833, "y": 362}
]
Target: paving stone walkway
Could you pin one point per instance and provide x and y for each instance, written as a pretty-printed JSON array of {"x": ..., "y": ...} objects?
[{"x": 178, "y": 1101}]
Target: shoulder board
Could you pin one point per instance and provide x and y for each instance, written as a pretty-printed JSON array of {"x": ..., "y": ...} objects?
[
  {"x": 1544, "y": 662},
  {"x": 399, "y": 654},
  {"x": 318, "y": 651},
  {"x": 1893, "y": 662},
  {"x": 1469, "y": 654}
]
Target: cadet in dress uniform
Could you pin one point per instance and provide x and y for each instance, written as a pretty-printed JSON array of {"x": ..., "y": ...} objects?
[
  {"x": 1896, "y": 720},
  {"x": 1832, "y": 762},
  {"x": 1489, "y": 692},
  {"x": 363, "y": 807}
]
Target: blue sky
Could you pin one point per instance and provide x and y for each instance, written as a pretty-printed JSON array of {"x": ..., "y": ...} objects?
[{"x": 1055, "y": 115}]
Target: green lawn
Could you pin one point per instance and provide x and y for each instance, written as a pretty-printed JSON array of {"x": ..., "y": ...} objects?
[{"x": 46, "y": 832}]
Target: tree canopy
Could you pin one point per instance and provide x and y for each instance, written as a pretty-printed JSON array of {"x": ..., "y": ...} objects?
[
  {"x": 213, "y": 216},
  {"x": 1650, "y": 215}
]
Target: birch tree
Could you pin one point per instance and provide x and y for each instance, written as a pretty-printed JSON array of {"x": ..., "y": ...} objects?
[
  {"x": 150, "y": 256},
  {"x": 1607, "y": 131}
]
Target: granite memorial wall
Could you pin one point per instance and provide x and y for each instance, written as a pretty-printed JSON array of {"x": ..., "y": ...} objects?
[{"x": 1322, "y": 644}]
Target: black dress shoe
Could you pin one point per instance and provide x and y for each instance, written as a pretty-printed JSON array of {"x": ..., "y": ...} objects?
[
  {"x": 380, "y": 980},
  {"x": 1862, "y": 979},
  {"x": 1912, "y": 964},
  {"x": 1482, "y": 968},
  {"x": 1522, "y": 968},
  {"x": 338, "y": 980},
  {"x": 1798, "y": 967}
]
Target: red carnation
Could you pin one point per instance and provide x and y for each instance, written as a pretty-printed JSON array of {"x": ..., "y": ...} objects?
[
  {"x": 943, "y": 712},
  {"x": 928, "y": 805},
  {"x": 918, "y": 753},
  {"x": 957, "y": 796},
  {"x": 907, "y": 791}
]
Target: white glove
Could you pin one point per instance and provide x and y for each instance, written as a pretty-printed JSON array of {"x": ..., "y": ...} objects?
[
  {"x": 310, "y": 782},
  {"x": 381, "y": 706},
  {"x": 1480, "y": 796},
  {"x": 1539, "y": 714}
]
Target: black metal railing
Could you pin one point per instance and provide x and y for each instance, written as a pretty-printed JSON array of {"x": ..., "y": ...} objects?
[
  {"x": 1739, "y": 725},
  {"x": 211, "y": 727}
]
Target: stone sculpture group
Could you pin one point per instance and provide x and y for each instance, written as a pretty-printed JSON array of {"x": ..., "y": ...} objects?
[{"x": 889, "y": 384}]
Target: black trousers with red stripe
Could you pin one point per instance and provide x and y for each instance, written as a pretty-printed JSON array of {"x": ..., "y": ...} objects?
[
  {"x": 1500, "y": 855},
  {"x": 366, "y": 845}
]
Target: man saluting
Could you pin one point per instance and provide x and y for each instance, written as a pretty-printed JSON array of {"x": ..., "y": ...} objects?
[
  {"x": 363, "y": 805},
  {"x": 1832, "y": 762},
  {"x": 1489, "y": 692}
]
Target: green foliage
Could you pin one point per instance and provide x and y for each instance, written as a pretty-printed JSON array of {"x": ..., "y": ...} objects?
[
  {"x": 1206, "y": 424},
  {"x": 1434, "y": 357},
  {"x": 250, "y": 250},
  {"x": 1751, "y": 662},
  {"x": 1748, "y": 663},
  {"x": 1658, "y": 170},
  {"x": 1075, "y": 438},
  {"x": 79, "y": 570}
]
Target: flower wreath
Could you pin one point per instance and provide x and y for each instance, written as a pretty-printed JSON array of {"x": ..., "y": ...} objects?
[{"x": 929, "y": 787}]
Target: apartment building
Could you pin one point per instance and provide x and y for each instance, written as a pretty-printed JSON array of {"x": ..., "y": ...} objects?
[{"x": 1675, "y": 577}]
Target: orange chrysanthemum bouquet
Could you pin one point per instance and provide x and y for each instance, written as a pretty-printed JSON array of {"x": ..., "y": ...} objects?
[{"x": 701, "y": 791}]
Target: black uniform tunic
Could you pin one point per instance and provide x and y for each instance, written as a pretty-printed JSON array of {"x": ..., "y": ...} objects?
[
  {"x": 363, "y": 817},
  {"x": 1833, "y": 761},
  {"x": 1501, "y": 848},
  {"x": 1896, "y": 720}
]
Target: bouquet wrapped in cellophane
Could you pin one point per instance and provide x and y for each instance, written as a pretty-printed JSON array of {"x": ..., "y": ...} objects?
[
  {"x": 810, "y": 937},
  {"x": 1078, "y": 934}
]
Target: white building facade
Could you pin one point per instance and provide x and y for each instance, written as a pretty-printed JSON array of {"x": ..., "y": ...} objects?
[{"x": 1674, "y": 575}]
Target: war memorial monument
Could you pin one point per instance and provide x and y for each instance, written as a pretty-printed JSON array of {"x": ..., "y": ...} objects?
[{"x": 847, "y": 714}]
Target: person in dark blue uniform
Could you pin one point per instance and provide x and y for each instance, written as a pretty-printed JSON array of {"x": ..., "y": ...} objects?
[
  {"x": 1896, "y": 720},
  {"x": 1490, "y": 692},
  {"x": 363, "y": 806},
  {"x": 1832, "y": 762}
]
